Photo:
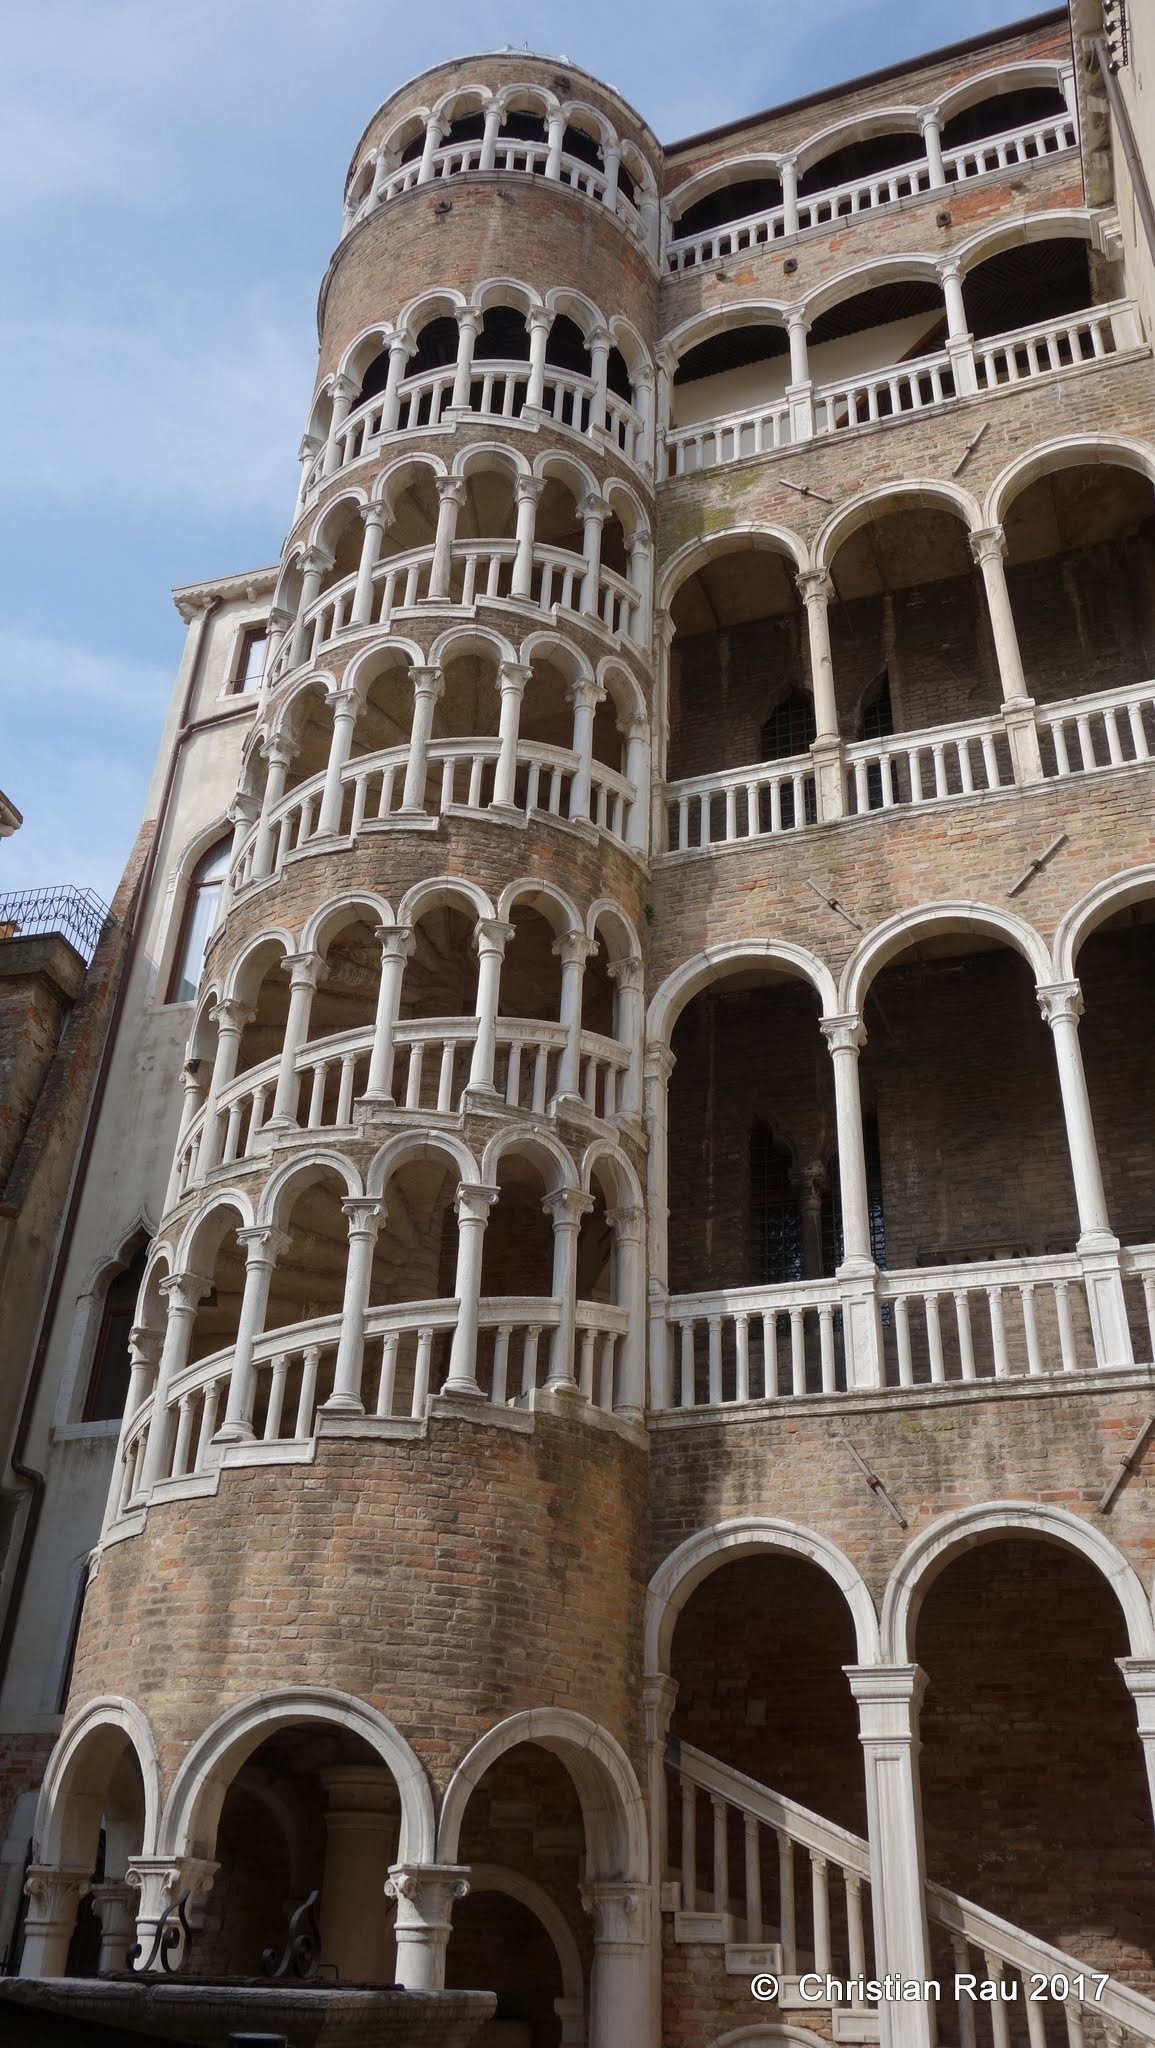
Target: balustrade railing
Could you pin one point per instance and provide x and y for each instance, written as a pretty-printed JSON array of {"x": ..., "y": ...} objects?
[
  {"x": 918, "y": 768},
  {"x": 737, "y": 434},
  {"x": 938, "y": 1326},
  {"x": 883, "y": 394},
  {"x": 1111, "y": 729},
  {"x": 454, "y": 159},
  {"x": 1055, "y": 345},
  {"x": 739, "y": 804},
  {"x": 1017, "y": 146}
]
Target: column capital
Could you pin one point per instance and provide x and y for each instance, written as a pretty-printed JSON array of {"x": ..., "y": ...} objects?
[
  {"x": 473, "y": 1202},
  {"x": 399, "y": 346},
  {"x": 926, "y": 114},
  {"x": 539, "y": 320},
  {"x": 629, "y": 1221},
  {"x": 244, "y": 809},
  {"x": 513, "y": 676},
  {"x": 585, "y": 692},
  {"x": 888, "y": 1696},
  {"x": 316, "y": 559},
  {"x": 813, "y": 586},
  {"x": 599, "y": 339},
  {"x": 634, "y": 726},
  {"x": 344, "y": 387},
  {"x": 451, "y": 489},
  {"x": 1060, "y": 1001},
  {"x": 988, "y": 544},
  {"x": 843, "y": 1034},
  {"x": 425, "y": 1890},
  {"x": 428, "y": 680},
  {"x": 567, "y": 1206},
  {"x": 528, "y": 489},
  {"x": 492, "y": 935},
  {"x": 230, "y": 1014},
  {"x": 573, "y": 946},
  {"x": 629, "y": 973},
  {"x": 342, "y": 701},
  {"x": 375, "y": 513},
  {"x": 640, "y": 541},
  {"x": 469, "y": 320},
  {"x": 55, "y": 1891},
  {"x": 145, "y": 1342},
  {"x": 797, "y": 316},
  {"x": 593, "y": 507},
  {"x": 1139, "y": 1679},
  {"x": 303, "y": 968},
  {"x": 616, "y": 1910},
  {"x": 365, "y": 1213},
  {"x": 280, "y": 618},
  {"x": 263, "y": 1243},
  {"x": 279, "y": 750},
  {"x": 185, "y": 1291},
  {"x": 659, "y": 1692},
  {"x": 397, "y": 940},
  {"x": 658, "y": 1061},
  {"x": 950, "y": 266}
]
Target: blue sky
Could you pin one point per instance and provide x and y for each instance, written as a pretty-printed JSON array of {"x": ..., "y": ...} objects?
[{"x": 170, "y": 192}]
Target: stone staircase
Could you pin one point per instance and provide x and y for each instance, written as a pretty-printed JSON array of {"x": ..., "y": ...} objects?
[{"x": 799, "y": 1908}]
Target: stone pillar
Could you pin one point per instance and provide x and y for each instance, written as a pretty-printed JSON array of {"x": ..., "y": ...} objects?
[
  {"x": 858, "y": 1272},
  {"x": 573, "y": 950},
  {"x": 280, "y": 625},
  {"x": 585, "y": 696},
  {"x": 527, "y": 490},
  {"x": 657, "y": 1066},
  {"x": 279, "y": 752},
  {"x": 611, "y": 163},
  {"x": 800, "y": 390},
  {"x": 930, "y": 121},
  {"x": 144, "y": 1346},
  {"x": 346, "y": 707},
  {"x": 343, "y": 391},
  {"x": 490, "y": 938},
  {"x": 397, "y": 942},
  {"x": 365, "y": 1218},
  {"x": 433, "y": 138},
  {"x": 630, "y": 976},
  {"x": 53, "y": 1896},
  {"x": 488, "y": 157},
  {"x": 315, "y": 564},
  {"x": 262, "y": 1245},
  {"x": 468, "y": 328},
  {"x": 512, "y": 677},
  {"x": 619, "y": 1980},
  {"x": 451, "y": 497},
  {"x": 230, "y": 1018},
  {"x": 114, "y": 1902},
  {"x": 565, "y": 1207},
  {"x": 539, "y": 323},
  {"x": 182, "y": 1292},
  {"x": 826, "y": 752},
  {"x": 888, "y": 1707},
  {"x": 639, "y": 575},
  {"x": 593, "y": 512},
  {"x": 428, "y": 684},
  {"x": 788, "y": 172},
  {"x": 600, "y": 345},
  {"x": 628, "y": 1224},
  {"x": 1062, "y": 1006},
  {"x": 162, "y": 1880},
  {"x": 643, "y": 453},
  {"x": 362, "y": 612},
  {"x": 555, "y": 135},
  {"x": 636, "y": 733},
  {"x": 424, "y": 1895},
  {"x": 359, "y": 1833},
  {"x": 989, "y": 546},
  {"x": 473, "y": 1205},
  {"x": 959, "y": 341},
  {"x": 659, "y": 1693},
  {"x": 391, "y": 398},
  {"x": 304, "y": 969},
  {"x": 1139, "y": 1678}
]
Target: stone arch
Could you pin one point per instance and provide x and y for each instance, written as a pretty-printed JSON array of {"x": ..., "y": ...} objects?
[
  {"x": 909, "y": 268},
  {"x": 243, "y": 978},
  {"x": 536, "y": 98},
  {"x": 611, "y": 1802},
  {"x": 631, "y": 347},
  {"x": 399, "y": 472},
  {"x": 327, "y": 516},
  {"x": 684, "y": 1569},
  {"x": 234, "y": 1199},
  {"x": 318, "y": 931},
  {"x": 441, "y": 302},
  {"x": 92, "y": 1739},
  {"x": 946, "y": 1538},
  {"x": 610, "y": 915},
  {"x": 702, "y": 327},
  {"x": 1064, "y": 224},
  {"x": 409, "y": 1146},
  {"x": 1072, "y": 451},
  {"x": 504, "y": 291},
  {"x": 894, "y": 497},
  {"x": 290, "y": 704},
  {"x": 193, "y": 1806},
  {"x": 627, "y": 1185},
  {"x": 906, "y": 927},
  {"x": 540, "y": 1147},
  {"x": 733, "y": 170},
  {"x": 471, "y": 639},
  {"x": 568, "y": 469},
  {"x": 475, "y": 95},
  {"x": 577, "y": 307},
  {"x": 495, "y": 1877},
  {"x": 364, "y": 349},
  {"x": 622, "y": 686},
  {"x": 296, "y": 1175},
  {"x": 366, "y": 666},
  {"x": 695, "y": 554},
  {"x": 698, "y": 972},
  {"x": 490, "y": 455},
  {"x": 1133, "y": 885},
  {"x": 555, "y": 906},
  {"x": 858, "y": 128},
  {"x": 553, "y": 646},
  {"x": 1028, "y": 72},
  {"x": 440, "y": 890}
]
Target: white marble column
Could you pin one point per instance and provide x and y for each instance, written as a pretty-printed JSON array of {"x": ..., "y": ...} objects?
[
  {"x": 343, "y": 391},
  {"x": 1139, "y": 1678},
  {"x": 488, "y": 158},
  {"x": 374, "y": 518},
  {"x": 960, "y": 344},
  {"x": 468, "y": 328},
  {"x": 659, "y": 1694},
  {"x": 573, "y": 949},
  {"x": 857, "y": 1272},
  {"x": 346, "y": 707},
  {"x": 365, "y": 1217},
  {"x": 512, "y": 677},
  {"x": 161, "y": 1881},
  {"x": 230, "y": 1018},
  {"x": 262, "y": 1245},
  {"x": 619, "y": 1980},
  {"x": 788, "y": 173},
  {"x": 565, "y": 1207},
  {"x": 182, "y": 1293},
  {"x": 1062, "y": 1006},
  {"x": 425, "y": 1894},
  {"x": 611, "y": 165},
  {"x": 593, "y": 512},
  {"x": 53, "y": 1897},
  {"x": 989, "y": 546},
  {"x": 657, "y": 1065},
  {"x": 639, "y": 575},
  {"x": 643, "y": 453},
  {"x": 636, "y": 733},
  {"x": 888, "y": 1708},
  {"x": 930, "y": 122},
  {"x": 434, "y": 134},
  {"x": 527, "y": 491},
  {"x": 585, "y": 695},
  {"x": 397, "y": 943},
  {"x": 800, "y": 390},
  {"x": 360, "y": 1830},
  {"x": 450, "y": 497},
  {"x": 600, "y": 345},
  {"x": 428, "y": 684},
  {"x": 539, "y": 322},
  {"x": 114, "y": 1903},
  {"x": 280, "y": 625},
  {"x": 391, "y": 396},
  {"x": 473, "y": 1205},
  {"x": 490, "y": 938},
  {"x": 555, "y": 136},
  {"x": 629, "y": 974},
  {"x": 315, "y": 565},
  {"x": 826, "y": 751},
  {"x": 303, "y": 970},
  {"x": 628, "y": 1222},
  {"x": 280, "y": 752}
]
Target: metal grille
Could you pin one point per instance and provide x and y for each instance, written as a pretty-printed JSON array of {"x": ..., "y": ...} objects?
[{"x": 77, "y": 914}]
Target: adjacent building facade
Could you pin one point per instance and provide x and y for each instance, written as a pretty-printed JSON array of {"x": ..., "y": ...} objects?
[{"x": 594, "y": 1366}]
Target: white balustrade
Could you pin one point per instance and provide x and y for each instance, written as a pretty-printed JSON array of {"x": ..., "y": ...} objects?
[
  {"x": 738, "y": 434},
  {"x": 882, "y": 394},
  {"x": 1008, "y": 151},
  {"x": 1048, "y": 345},
  {"x": 922, "y": 768},
  {"x": 738, "y": 804},
  {"x": 1110, "y": 729},
  {"x": 600, "y": 1334},
  {"x": 756, "y": 1343},
  {"x": 1064, "y": 2002},
  {"x": 456, "y": 159}
]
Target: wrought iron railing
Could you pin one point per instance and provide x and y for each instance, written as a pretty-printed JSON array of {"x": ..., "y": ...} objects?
[{"x": 78, "y": 915}]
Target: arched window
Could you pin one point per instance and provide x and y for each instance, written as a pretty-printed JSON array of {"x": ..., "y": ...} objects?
[
  {"x": 790, "y": 729},
  {"x": 775, "y": 1214},
  {"x": 200, "y": 912},
  {"x": 108, "y": 1377}
]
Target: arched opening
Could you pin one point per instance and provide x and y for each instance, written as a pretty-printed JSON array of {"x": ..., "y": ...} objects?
[
  {"x": 263, "y": 988},
  {"x": 757, "y": 1655},
  {"x": 1081, "y": 577},
  {"x": 999, "y": 112},
  {"x": 887, "y": 326},
  {"x": 414, "y": 1261},
  {"x": 499, "y": 1945},
  {"x": 470, "y": 701},
  {"x": 1034, "y": 1796},
  {"x": 96, "y": 1826},
  {"x": 307, "y": 729},
  {"x": 343, "y": 1008},
  {"x": 1027, "y": 285},
  {"x": 546, "y": 710},
  {"x": 340, "y": 534},
  {"x": 383, "y": 727},
  {"x": 865, "y": 158},
  {"x": 523, "y": 124},
  {"x": 109, "y": 1365},
  {"x": 308, "y": 1281},
  {"x": 1116, "y": 970},
  {"x": 739, "y": 198},
  {"x": 214, "y": 1251},
  {"x": 487, "y": 510},
  {"x": 531, "y": 971},
  {"x": 412, "y": 511},
  {"x": 199, "y": 915},
  {"x": 736, "y": 371},
  {"x": 514, "y": 1336}
]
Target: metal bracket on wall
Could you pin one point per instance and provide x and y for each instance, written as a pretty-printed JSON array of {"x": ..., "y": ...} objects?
[
  {"x": 1128, "y": 1463},
  {"x": 832, "y": 902},
  {"x": 1033, "y": 866},
  {"x": 875, "y": 1484}
]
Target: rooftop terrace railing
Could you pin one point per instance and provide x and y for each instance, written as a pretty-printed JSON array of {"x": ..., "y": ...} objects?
[{"x": 78, "y": 915}]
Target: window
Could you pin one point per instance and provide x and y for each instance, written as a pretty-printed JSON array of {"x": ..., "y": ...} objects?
[
  {"x": 108, "y": 1379},
  {"x": 775, "y": 1215},
  {"x": 251, "y": 657},
  {"x": 200, "y": 912}
]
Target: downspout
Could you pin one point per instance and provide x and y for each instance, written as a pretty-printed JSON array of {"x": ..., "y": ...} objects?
[
  {"x": 1131, "y": 156},
  {"x": 33, "y": 1479}
]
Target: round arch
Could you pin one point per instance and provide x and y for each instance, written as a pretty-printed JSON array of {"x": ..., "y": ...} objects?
[
  {"x": 504, "y": 291},
  {"x": 720, "y": 320},
  {"x": 317, "y": 932},
  {"x": 297, "y": 1174},
  {"x": 711, "y": 965},
  {"x": 733, "y": 170},
  {"x": 1064, "y": 224},
  {"x": 1073, "y": 451},
  {"x": 94, "y": 1737},
  {"x": 193, "y": 1807},
  {"x": 695, "y": 554},
  {"x": 537, "y": 1145},
  {"x": 470, "y": 639},
  {"x": 239, "y": 982},
  {"x": 1029, "y": 72},
  {"x": 927, "y": 494},
  {"x": 1118, "y": 892},
  {"x": 439, "y": 892},
  {"x": 865, "y": 277},
  {"x": 859, "y": 128},
  {"x": 490, "y": 455},
  {"x": 951, "y": 1535},
  {"x": 627, "y": 1186},
  {"x": 554, "y": 905},
  {"x": 236, "y": 1199},
  {"x": 351, "y": 497},
  {"x": 495, "y": 1877},
  {"x": 406, "y": 1148},
  {"x": 603, "y": 1777},
  {"x": 684, "y": 1569},
  {"x": 907, "y": 927},
  {"x": 399, "y": 473}
]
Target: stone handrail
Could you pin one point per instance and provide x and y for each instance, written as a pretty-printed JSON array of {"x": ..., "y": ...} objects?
[
  {"x": 917, "y": 768},
  {"x": 705, "y": 442},
  {"x": 736, "y": 804}
]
